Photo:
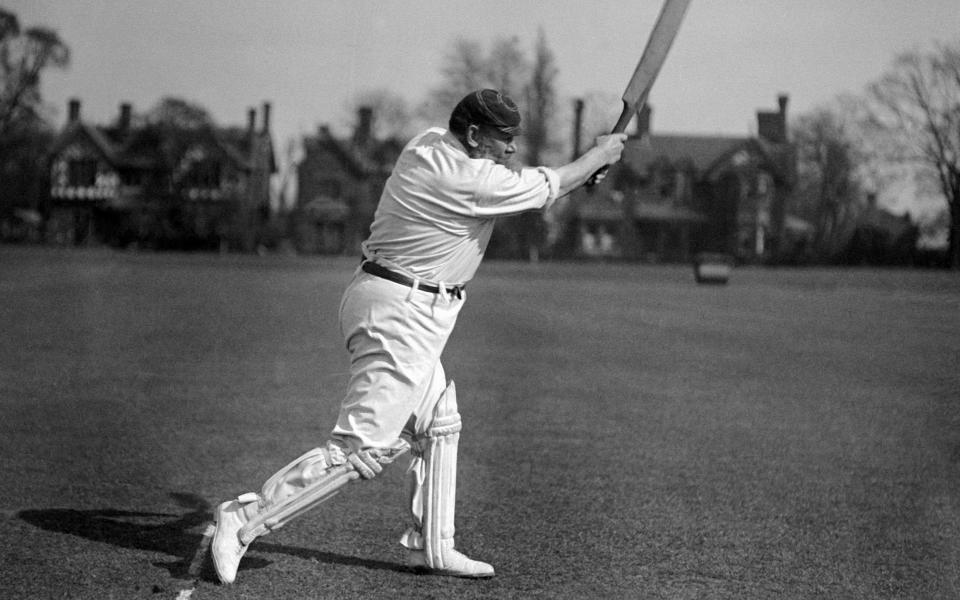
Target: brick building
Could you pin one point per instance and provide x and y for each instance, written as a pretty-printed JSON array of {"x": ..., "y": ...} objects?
[
  {"x": 672, "y": 196},
  {"x": 159, "y": 185},
  {"x": 339, "y": 185}
]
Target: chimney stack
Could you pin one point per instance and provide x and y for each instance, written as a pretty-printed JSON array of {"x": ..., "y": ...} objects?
[
  {"x": 772, "y": 126},
  {"x": 782, "y": 100},
  {"x": 126, "y": 112},
  {"x": 73, "y": 110},
  {"x": 577, "y": 126},
  {"x": 266, "y": 117},
  {"x": 364, "y": 130}
]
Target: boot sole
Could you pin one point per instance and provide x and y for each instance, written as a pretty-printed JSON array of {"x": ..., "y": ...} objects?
[{"x": 418, "y": 570}]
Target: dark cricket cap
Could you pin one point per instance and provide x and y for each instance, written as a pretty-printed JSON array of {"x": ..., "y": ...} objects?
[{"x": 486, "y": 107}]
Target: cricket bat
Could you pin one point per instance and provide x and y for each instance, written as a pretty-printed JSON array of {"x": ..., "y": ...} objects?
[{"x": 654, "y": 54}]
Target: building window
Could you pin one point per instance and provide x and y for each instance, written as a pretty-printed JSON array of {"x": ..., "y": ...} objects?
[
  {"x": 204, "y": 174},
  {"x": 667, "y": 184},
  {"x": 131, "y": 178},
  {"x": 681, "y": 191},
  {"x": 82, "y": 173}
]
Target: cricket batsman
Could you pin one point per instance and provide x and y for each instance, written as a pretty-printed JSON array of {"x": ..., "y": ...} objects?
[{"x": 428, "y": 236}]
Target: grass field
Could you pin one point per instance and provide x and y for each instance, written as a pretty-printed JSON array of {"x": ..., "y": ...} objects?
[{"x": 628, "y": 433}]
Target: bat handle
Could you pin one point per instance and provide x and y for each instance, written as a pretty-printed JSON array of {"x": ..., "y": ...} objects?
[
  {"x": 596, "y": 176},
  {"x": 625, "y": 115}
]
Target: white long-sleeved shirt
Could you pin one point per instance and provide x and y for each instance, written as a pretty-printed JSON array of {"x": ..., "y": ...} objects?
[{"x": 438, "y": 207}]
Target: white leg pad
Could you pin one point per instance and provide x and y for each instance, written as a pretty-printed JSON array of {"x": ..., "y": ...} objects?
[
  {"x": 310, "y": 480},
  {"x": 433, "y": 483}
]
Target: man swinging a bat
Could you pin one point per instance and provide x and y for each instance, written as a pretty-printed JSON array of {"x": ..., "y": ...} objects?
[
  {"x": 429, "y": 234},
  {"x": 427, "y": 239}
]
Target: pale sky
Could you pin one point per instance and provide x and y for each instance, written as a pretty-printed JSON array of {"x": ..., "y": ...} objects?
[{"x": 309, "y": 58}]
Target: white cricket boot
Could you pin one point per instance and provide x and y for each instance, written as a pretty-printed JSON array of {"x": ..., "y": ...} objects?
[
  {"x": 455, "y": 564},
  {"x": 226, "y": 548}
]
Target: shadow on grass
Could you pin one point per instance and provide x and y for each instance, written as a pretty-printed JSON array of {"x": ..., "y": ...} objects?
[{"x": 178, "y": 536}]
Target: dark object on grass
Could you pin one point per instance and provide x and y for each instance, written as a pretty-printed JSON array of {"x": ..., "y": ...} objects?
[{"x": 712, "y": 267}]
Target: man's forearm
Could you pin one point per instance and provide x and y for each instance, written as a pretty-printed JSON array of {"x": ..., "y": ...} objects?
[
  {"x": 573, "y": 175},
  {"x": 607, "y": 151}
]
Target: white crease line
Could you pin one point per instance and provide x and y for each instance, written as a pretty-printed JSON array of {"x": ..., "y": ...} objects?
[{"x": 196, "y": 564}]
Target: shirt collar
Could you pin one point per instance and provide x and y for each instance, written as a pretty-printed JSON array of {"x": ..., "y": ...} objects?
[{"x": 451, "y": 139}]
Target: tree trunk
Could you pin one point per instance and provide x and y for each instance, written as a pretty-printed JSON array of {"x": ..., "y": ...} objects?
[{"x": 953, "y": 258}]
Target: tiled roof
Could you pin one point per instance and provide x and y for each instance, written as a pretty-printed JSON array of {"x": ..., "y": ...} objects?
[
  {"x": 602, "y": 207},
  {"x": 142, "y": 146},
  {"x": 702, "y": 151},
  {"x": 377, "y": 156}
]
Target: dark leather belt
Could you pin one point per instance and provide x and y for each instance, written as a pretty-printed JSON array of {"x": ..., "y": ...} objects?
[{"x": 379, "y": 270}]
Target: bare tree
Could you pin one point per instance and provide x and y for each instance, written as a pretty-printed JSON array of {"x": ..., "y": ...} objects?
[
  {"x": 24, "y": 54},
  {"x": 467, "y": 67},
  {"x": 25, "y": 133},
  {"x": 464, "y": 69},
  {"x": 539, "y": 134},
  {"x": 176, "y": 123},
  {"x": 918, "y": 106},
  {"x": 541, "y": 100},
  {"x": 178, "y": 113},
  {"x": 508, "y": 68},
  {"x": 828, "y": 189}
]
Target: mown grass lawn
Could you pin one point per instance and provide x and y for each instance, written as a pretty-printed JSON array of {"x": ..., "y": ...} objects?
[{"x": 628, "y": 433}]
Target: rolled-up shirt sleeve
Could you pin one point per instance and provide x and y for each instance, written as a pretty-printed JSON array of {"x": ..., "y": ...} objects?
[{"x": 506, "y": 192}]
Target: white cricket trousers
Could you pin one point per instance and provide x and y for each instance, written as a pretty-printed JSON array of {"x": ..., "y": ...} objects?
[{"x": 395, "y": 335}]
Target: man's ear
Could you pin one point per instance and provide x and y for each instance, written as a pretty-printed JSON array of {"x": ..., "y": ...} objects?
[{"x": 472, "y": 133}]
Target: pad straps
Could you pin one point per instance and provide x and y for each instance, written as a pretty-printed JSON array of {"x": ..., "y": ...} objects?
[
  {"x": 433, "y": 482},
  {"x": 310, "y": 480}
]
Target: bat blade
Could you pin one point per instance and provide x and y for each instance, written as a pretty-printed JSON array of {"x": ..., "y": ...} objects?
[{"x": 654, "y": 54}]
